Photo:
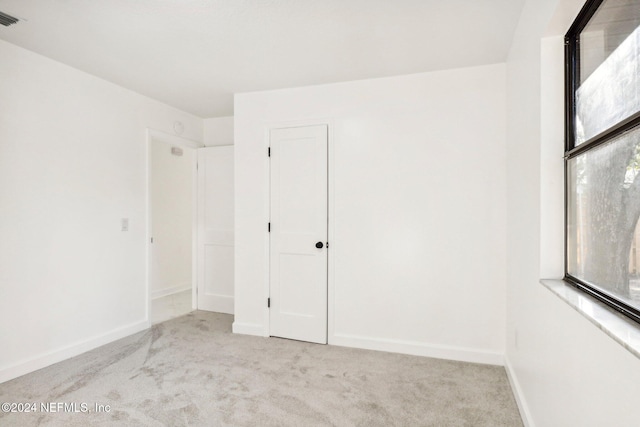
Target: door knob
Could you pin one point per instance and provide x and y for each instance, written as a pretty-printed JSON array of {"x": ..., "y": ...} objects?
[{"x": 319, "y": 245}]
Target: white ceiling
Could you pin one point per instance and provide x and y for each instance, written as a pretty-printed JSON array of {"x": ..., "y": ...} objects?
[{"x": 194, "y": 54}]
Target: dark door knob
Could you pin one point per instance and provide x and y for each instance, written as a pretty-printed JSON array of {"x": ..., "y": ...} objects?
[{"x": 319, "y": 245}]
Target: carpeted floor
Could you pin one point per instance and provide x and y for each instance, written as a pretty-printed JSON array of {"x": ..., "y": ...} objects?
[{"x": 193, "y": 371}]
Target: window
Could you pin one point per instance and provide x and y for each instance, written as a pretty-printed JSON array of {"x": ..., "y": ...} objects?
[{"x": 602, "y": 153}]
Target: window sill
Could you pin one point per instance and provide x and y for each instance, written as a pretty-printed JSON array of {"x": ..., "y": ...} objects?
[{"x": 623, "y": 330}]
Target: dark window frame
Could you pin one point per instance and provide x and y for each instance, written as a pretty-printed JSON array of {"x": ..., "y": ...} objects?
[{"x": 572, "y": 76}]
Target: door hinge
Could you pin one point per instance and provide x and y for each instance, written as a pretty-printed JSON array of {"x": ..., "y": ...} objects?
[
  {"x": 269, "y": 227},
  {"x": 269, "y": 151},
  {"x": 268, "y": 302},
  {"x": 152, "y": 240}
]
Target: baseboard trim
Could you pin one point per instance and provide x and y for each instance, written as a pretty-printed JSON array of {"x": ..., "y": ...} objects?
[
  {"x": 419, "y": 349},
  {"x": 170, "y": 291},
  {"x": 525, "y": 413},
  {"x": 248, "y": 329},
  {"x": 54, "y": 356}
]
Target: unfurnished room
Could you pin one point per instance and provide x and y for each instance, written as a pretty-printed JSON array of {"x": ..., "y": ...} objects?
[{"x": 320, "y": 213}]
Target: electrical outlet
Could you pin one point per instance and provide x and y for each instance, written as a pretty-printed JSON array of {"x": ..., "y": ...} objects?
[{"x": 124, "y": 224}]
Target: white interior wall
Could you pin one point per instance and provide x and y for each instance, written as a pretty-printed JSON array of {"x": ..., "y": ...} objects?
[
  {"x": 218, "y": 131},
  {"x": 72, "y": 164},
  {"x": 565, "y": 370},
  {"x": 171, "y": 219},
  {"x": 417, "y": 209}
]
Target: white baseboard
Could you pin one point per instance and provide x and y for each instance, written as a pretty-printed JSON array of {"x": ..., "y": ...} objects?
[
  {"x": 248, "y": 329},
  {"x": 419, "y": 349},
  {"x": 54, "y": 356},
  {"x": 525, "y": 413},
  {"x": 159, "y": 293}
]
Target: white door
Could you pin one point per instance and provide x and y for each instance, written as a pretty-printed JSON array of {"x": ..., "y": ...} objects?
[
  {"x": 298, "y": 237},
  {"x": 215, "y": 229}
]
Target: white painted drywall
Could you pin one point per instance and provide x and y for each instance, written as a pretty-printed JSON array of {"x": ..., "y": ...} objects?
[
  {"x": 417, "y": 209},
  {"x": 218, "y": 131},
  {"x": 171, "y": 219},
  {"x": 73, "y": 162},
  {"x": 566, "y": 371}
]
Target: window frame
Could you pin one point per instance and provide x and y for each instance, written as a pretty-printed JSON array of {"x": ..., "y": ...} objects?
[{"x": 572, "y": 81}]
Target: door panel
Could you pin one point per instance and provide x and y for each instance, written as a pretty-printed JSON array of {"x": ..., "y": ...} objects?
[
  {"x": 298, "y": 270},
  {"x": 215, "y": 229}
]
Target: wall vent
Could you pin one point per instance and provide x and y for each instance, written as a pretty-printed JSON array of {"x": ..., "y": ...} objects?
[{"x": 7, "y": 20}]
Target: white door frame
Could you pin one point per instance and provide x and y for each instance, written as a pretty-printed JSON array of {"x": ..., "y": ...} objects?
[
  {"x": 329, "y": 122},
  {"x": 167, "y": 138}
]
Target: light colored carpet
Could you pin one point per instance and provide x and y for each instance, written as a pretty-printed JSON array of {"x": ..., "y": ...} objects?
[{"x": 193, "y": 371}]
